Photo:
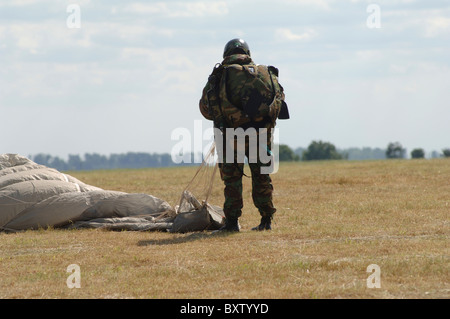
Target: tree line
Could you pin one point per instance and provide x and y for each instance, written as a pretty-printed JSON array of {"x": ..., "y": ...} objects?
[
  {"x": 317, "y": 150},
  {"x": 94, "y": 161},
  {"x": 320, "y": 150}
]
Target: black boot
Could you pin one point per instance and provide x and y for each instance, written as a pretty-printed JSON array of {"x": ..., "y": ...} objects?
[
  {"x": 231, "y": 225},
  {"x": 266, "y": 224}
]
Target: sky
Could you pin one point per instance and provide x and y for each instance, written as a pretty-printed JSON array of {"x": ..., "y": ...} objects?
[{"x": 121, "y": 76}]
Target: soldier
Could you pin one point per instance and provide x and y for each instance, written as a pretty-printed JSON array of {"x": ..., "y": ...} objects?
[{"x": 242, "y": 95}]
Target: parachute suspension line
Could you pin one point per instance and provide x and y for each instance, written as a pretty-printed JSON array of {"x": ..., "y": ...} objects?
[
  {"x": 201, "y": 185},
  {"x": 211, "y": 180}
]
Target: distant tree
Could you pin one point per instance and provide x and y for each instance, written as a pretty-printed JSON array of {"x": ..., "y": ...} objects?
[
  {"x": 95, "y": 161},
  {"x": 319, "y": 150},
  {"x": 43, "y": 159},
  {"x": 435, "y": 154},
  {"x": 50, "y": 161},
  {"x": 58, "y": 164},
  {"x": 299, "y": 151},
  {"x": 446, "y": 152},
  {"x": 286, "y": 154},
  {"x": 395, "y": 150},
  {"x": 344, "y": 154},
  {"x": 74, "y": 163},
  {"x": 365, "y": 153},
  {"x": 417, "y": 153},
  {"x": 166, "y": 159}
]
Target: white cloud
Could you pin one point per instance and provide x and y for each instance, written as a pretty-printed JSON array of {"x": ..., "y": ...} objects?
[
  {"x": 19, "y": 3},
  {"x": 44, "y": 36},
  {"x": 399, "y": 68},
  {"x": 368, "y": 55},
  {"x": 24, "y": 39},
  {"x": 180, "y": 9},
  {"x": 321, "y": 4},
  {"x": 428, "y": 23},
  {"x": 147, "y": 8},
  {"x": 203, "y": 9},
  {"x": 138, "y": 60},
  {"x": 437, "y": 26},
  {"x": 287, "y": 34},
  {"x": 25, "y": 3}
]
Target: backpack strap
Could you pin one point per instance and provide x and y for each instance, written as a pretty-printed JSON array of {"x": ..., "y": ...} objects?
[
  {"x": 212, "y": 95},
  {"x": 284, "y": 111}
]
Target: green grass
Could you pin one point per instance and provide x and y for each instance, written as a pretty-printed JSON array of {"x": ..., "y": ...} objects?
[{"x": 334, "y": 219}]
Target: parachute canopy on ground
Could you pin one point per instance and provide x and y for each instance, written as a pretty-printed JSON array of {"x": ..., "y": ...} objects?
[{"x": 34, "y": 196}]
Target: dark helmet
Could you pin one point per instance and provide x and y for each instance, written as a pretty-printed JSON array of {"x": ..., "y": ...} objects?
[{"x": 236, "y": 46}]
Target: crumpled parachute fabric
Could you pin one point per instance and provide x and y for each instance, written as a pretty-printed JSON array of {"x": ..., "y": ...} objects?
[{"x": 34, "y": 196}]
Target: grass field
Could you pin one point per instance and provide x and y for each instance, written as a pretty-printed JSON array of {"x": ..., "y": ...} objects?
[{"x": 334, "y": 219}]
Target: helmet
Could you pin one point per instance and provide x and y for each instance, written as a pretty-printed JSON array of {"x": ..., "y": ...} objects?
[{"x": 236, "y": 46}]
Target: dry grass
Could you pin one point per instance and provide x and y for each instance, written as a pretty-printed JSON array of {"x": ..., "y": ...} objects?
[{"x": 333, "y": 220}]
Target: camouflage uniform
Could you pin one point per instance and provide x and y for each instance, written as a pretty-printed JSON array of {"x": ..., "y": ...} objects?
[
  {"x": 231, "y": 173},
  {"x": 262, "y": 188}
]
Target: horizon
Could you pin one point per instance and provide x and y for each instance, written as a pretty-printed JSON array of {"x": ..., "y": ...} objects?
[{"x": 297, "y": 150}]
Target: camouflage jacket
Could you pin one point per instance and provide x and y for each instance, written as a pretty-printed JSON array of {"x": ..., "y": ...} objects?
[{"x": 237, "y": 94}]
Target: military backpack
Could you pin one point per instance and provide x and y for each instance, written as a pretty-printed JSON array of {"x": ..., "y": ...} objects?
[{"x": 257, "y": 95}]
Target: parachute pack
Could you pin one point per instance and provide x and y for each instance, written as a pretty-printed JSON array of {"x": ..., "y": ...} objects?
[{"x": 245, "y": 95}]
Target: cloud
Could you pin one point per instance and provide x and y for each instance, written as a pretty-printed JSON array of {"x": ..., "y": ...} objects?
[
  {"x": 179, "y": 9},
  {"x": 417, "y": 22},
  {"x": 321, "y": 4},
  {"x": 148, "y": 61},
  {"x": 437, "y": 26},
  {"x": 286, "y": 34},
  {"x": 20, "y": 3}
]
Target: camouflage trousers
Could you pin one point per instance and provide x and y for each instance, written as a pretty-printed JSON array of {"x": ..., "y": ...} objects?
[{"x": 232, "y": 173}]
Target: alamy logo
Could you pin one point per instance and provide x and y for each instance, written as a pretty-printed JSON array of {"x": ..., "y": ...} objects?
[
  {"x": 374, "y": 280},
  {"x": 74, "y": 19},
  {"x": 374, "y": 19},
  {"x": 232, "y": 145},
  {"x": 74, "y": 279}
]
